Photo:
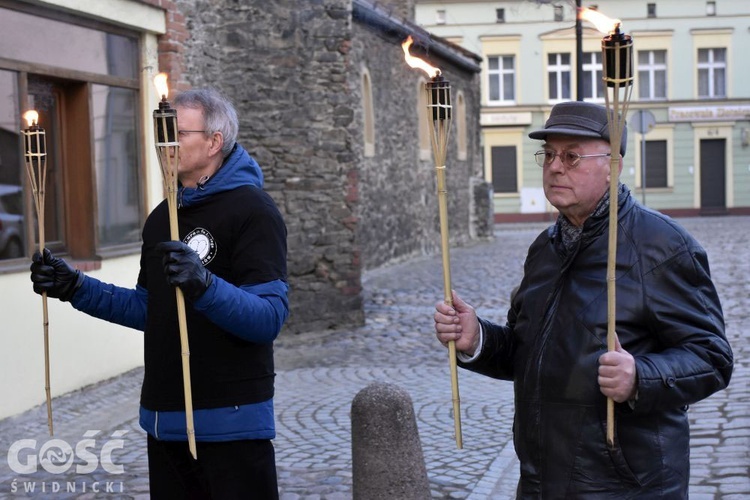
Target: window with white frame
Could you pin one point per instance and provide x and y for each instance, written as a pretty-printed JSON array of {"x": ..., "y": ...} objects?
[
  {"x": 558, "y": 76},
  {"x": 652, "y": 74},
  {"x": 712, "y": 69},
  {"x": 501, "y": 75},
  {"x": 593, "y": 87}
]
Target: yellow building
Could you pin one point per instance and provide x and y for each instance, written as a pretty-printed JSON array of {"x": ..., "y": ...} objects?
[{"x": 689, "y": 97}]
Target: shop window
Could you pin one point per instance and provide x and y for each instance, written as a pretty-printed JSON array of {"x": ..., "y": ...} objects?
[{"x": 84, "y": 82}]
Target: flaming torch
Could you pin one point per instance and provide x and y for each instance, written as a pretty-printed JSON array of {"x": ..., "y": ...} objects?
[
  {"x": 35, "y": 155},
  {"x": 168, "y": 151},
  {"x": 439, "y": 107},
  {"x": 617, "y": 62}
]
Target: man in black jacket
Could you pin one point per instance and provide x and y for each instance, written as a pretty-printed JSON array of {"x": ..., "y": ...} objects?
[
  {"x": 671, "y": 350},
  {"x": 230, "y": 264}
]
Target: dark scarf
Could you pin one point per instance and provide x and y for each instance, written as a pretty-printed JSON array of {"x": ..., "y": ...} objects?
[{"x": 571, "y": 234}]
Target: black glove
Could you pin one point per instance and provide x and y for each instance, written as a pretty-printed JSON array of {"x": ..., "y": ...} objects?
[
  {"x": 54, "y": 276},
  {"x": 184, "y": 268}
]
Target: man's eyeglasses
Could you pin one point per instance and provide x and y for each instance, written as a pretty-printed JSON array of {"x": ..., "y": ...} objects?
[
  {"x": 544, "y": 158},
  {"x": 183, "y": 133}
]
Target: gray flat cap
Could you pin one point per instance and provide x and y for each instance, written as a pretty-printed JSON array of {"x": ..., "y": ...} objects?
[{"x": 580, "y": 119}]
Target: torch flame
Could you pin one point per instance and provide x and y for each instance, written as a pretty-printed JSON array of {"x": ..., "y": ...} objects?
[
  {"x": 599, "y": 20},
  {"x": 160, "y": 81},
  {"x": 416, "y": 62},
  {"x": 31, "y": 117}
]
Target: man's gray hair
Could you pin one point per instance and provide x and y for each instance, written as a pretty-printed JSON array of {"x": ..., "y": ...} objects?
[{"x": 219, "y": 114}]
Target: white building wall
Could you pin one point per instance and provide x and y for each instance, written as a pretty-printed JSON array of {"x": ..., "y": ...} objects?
[{"x": 83, "y": 350}]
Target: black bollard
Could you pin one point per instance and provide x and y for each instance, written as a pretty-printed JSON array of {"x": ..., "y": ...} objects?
[{"x": 386, "y": 452}]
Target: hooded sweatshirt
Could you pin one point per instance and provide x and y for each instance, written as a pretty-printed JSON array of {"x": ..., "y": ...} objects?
[{"x": 240, "y": 236}]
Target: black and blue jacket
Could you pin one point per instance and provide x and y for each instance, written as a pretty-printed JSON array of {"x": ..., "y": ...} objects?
[{"x": 240, "y": 236}]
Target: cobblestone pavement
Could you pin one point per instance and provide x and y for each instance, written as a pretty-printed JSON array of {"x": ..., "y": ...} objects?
[{"x": 317, "y": 378}]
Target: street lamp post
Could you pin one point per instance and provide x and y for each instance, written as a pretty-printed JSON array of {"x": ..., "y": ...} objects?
[{"x": 579, "y": 53}]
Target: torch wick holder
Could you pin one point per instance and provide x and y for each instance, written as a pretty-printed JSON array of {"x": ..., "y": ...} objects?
[
  {"x": 164, "y": 104},
  {"x": 618, "y": 36}
]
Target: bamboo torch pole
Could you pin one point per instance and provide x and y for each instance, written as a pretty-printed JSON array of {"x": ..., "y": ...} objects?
[
  {"x": 439, "y": 110},
  {"x": 617, "y": 62},
  {"x": 168, "y": 151},
  {"x": 35, "y": 156}
]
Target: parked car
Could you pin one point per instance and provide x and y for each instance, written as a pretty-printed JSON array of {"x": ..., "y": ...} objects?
[{"x": 11, "y": 221}]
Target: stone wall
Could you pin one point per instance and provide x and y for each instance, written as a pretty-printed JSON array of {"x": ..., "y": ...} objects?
[
  {"x": 285, "y": 67},
  {"x": 398, "y": 199},
  {"x": 293, "y": 70}
]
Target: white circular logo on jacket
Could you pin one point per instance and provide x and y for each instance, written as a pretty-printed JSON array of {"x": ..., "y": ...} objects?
[{"x": 203, "y": 243}]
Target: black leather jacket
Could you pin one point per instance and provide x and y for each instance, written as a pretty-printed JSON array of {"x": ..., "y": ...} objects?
[{"x": 668, "y": 317}]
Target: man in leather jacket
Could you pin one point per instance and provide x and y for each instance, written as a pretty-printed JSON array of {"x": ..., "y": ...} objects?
[{"x": 671, "y": 350}]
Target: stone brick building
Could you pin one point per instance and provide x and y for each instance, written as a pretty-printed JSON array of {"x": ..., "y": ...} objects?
[
  {"x": 296, "y": 72},
  {"x": 328, "y": 106}
]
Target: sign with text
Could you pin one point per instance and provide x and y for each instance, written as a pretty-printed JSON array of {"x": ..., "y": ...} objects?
[
  {"x": 489, "y": 119},
  {"x": 709, "y": 113}
]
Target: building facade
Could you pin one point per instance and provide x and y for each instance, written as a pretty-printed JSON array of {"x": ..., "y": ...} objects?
[
  {"x": 85, "y": 67},
  {"x": 689, "y": 117},
  {"x": 327, "y": 106}
]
